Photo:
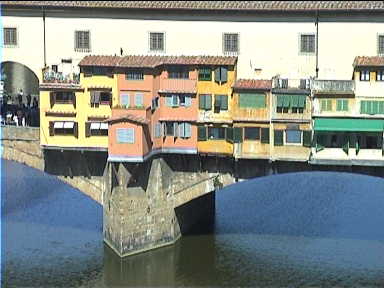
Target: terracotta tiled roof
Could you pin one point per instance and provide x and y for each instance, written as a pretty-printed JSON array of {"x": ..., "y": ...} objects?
[
  {"x": 129, "y": 117},
  {"x": 150, "y": 61},
  {"x": 253, "y": 84},
  {"x": 368, "y": 61},
  {"x": 100, "y": 60},
  {"x": 212, "y": 5}
]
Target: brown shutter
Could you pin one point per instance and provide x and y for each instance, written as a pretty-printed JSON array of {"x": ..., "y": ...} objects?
[
  {"x": 74, "y": 100},
  {"x": 76, "y": 130},
  {"x": 52, "y": 98},
  {"x": 51, "y": 129},
  {"x": 87, "y": 129},
  {"x": 110, "y": 99},
  {"x": 92, "y": 97}
]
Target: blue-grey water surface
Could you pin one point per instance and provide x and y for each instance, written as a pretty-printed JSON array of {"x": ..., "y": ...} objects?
[{"x": 299, "y": 229}]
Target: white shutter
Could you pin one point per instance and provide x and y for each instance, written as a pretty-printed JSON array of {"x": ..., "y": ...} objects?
[
  {"x": 163, "y": 129},
  {"x": 188, "y": 101},
  {"x": 188, "y": 132},
  {"x": 139, "y": 99},
  {"x": 181, "y": 130},
  {"x": 168, "y": 100},
  {"x": 124, "y": 100},
  {"x": 175, "y": 100},
  {"x": 69, "y": 125},
  {"x": 175, "y": 129},
  {"x": 58, "y": 125}
]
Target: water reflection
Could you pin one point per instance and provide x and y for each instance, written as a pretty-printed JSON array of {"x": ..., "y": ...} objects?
[{"x": 301, "y": 229}]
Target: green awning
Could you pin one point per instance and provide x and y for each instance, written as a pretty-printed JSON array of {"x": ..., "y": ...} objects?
[
  {"x": 301, "y": 101},
  {"x": 294, "y": 101},
  {"x": 287, "y": 100},
  {"x": 354, "y": 125}
]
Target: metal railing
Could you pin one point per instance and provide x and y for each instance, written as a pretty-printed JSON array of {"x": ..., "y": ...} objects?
[{"x": 341, "y": 86}]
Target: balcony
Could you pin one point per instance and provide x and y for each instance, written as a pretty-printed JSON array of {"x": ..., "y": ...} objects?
[
  {"x": 346, "y": 87},
  {"x": 282, "y": 84},
  {"x": 178, "y": 86},
  {"x": 51, "y": 76}
]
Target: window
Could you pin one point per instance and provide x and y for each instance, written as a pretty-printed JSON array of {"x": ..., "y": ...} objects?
[
  {"x": 278, "y": 138},
  {"x": 10, "y": 37},
  {"x": 230, "y": 43},
  {"x": 125, "y": 135},
  {"x": 380, "y": 75},
  {"x": 364, "y": 75},
  {"x": 265, "y": 135},
  {"x": 252, "y": 133},
  {"x": 134, "y": 75},
  {"x": 290, "y": 103},
  {"x": 201, "y": 133},
  {"x": 221, "y": 102},
  {"x": 380, "y": 44},
  {"x": 205, "y": 101},
  {"x": 96, "y": 129},
  {"x": 105, "y": 98},
  {"x": 139, "y": 99},
  {"x": 64, "y": 128},
  {"x": 82, "y": 41},
  {"x": 157, "y": 132},
  {"x": 124, "y": 100},
  {"x": 326, "y": 104},
  {"x": 178, "y": 74},
  {"x": 155, "y": 103},
  {"x": 293, "y": 136},
  {"x": 205, "y": 74},
  {"x": 372, "y": 107},
  {"x": 156, "y": 41},
  {"x": 169, "y": 129},
  {"x": 176, "y": 100},
  {"x": 221, "y": 74},
  {"x": 64, "y": 97},
  {"x": 307, "y": 43},
  {"x": 252, "y": 100},
  {"x": 342, "y": 105},
  {"x": 216, "y": 133},
  {"x": 185, "y": 130}
]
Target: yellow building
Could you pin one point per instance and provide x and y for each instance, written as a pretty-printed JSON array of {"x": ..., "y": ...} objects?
[
  {"x": 214, "y": 92},
  {"x": 251, "y": 117},
  {"x": 72, "y": 111}
]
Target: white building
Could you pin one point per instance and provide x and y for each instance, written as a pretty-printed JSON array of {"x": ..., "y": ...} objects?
[{"x": 270, "y": 38}]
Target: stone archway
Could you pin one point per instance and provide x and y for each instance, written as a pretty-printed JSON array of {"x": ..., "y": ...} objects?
[{"x": 18, "y": 76}]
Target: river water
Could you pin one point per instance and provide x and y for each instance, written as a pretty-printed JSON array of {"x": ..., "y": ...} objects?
[{"x": 299, "y": 229}]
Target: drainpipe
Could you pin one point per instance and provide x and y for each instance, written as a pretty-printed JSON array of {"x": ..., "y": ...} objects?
[
  {"x": 317, "y": 43},
  {"x": 45, "y": 57}
]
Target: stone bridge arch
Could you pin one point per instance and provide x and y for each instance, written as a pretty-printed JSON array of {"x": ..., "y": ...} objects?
[{"x": 18, "y": 76}]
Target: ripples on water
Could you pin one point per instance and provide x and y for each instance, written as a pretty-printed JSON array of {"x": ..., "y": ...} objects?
[{"x": 299, "y": 229}]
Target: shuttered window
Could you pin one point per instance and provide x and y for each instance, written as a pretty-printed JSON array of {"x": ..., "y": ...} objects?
[
  {"x": 157, "y": 130},
  {"x": 205, "y": 74},
  {"x": 251, "y": 133},
  {"x": 342, "y": 105},
  {"x": 221, "y": 74},
  {"x": 125, "y": 135},
  {"x": 380, "y": 75},
  {"x": 134, "y": 75},
  {"x": 221, "y": 102},
  {"x": 156, "y": 41},
  {"x": 307, "y": 43},
  {"x": 264, "y": 135},
  {"x": 380, "y": 44},
  {"x": 82, "y": 41},
  {"x": 247, "y": 100},
  {"x": 10, "y": 36},
  {"x": 372, "y": 107},
  {"x": 231, "y": 43},
  {"x": 307, "y": 138},
  {"x": 201, "y": 133},
  {"x": 185, "y": 130},
  {"x": 364, "y": 75},
  {"x": 326, "y": 104},
  {"x": 229, "y": 134},
  {"x": 216, "y": 133},
  {"x": 237, "y": 134},
  {"x": 279, "y": 137},
  {"x": 139, "y": 99},
  {"x": 205, "y": 101}
]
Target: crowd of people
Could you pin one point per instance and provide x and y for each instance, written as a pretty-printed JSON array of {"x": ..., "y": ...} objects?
[{"x": 19, "y": 113}]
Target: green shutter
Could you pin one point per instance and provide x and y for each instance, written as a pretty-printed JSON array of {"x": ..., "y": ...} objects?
[
  {"x": 202, "y": 133},
  {"x": 208, "y": 102},
  {"x": 301, "y": 101},
  {"x": 286, "y": 101},
  {"x": 346, "y": 143},
  {"x": 229, "y": 134},
  {"x": 339, "y": 105},
  {"x": 368, "y": 106},
  {"x": 201, "y": 102},
  {"x": 381, "y": 107},
  {"x": 307, "y": 138},
  {"x": 264, "y": 135},
  {"x": 260, "y": 100},
  {"x": 295, "y": 101},
  {"x": 323, "y": 105},
  {"x": 237, "y": 134},
  {"x": 279, "y": 101},
  {"x": 278, "y": 137},
  {"x": 375, "y": 107},
  {"x": 363, "y": 107},
  {"x": 357, "y": 145},
  {"x": 223, "y": 74},
  {"x": 320, "y": 141},
  {"x": 217, "y": 74},
  {"x": 345, "y": 105},
  {"x": 329, "y": 105},
  {"x": 224, "y": 102}
]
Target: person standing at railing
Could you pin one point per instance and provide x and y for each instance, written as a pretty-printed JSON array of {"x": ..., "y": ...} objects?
[{"x": 29, "y": 99}]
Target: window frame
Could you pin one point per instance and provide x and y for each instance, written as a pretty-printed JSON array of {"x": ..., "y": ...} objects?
[
  {"x": 258, "y": 136},
  {"x": 125, "y": 128},
  {"x": 380, "y": 52},
  {"x": 381, "y": 73},
  {"x": 219, "y": 129},
  {"x": 82, "y": 49},
  {"x": 64, "y": 131},
  {"x": 301, "y": 52},
  {"x": 134, "y": 72},
  {"x": 361, "y": 75},
  {"x": 293, "y": 143},
  {"x": 4, "y": 45},
  {"x": 149, "y": 42},
  {"x": 100, "y": 132},
  {"x": 64, "y": 100},
  {"x": 204, "y": 76},
  {"x": 225, "y": 41}
]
